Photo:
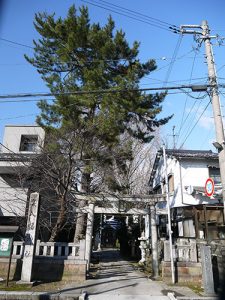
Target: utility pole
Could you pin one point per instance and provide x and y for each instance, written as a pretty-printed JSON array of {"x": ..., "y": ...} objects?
[
  {"x": 168, "y": 213},
  {"x": 204, "y": 36}
]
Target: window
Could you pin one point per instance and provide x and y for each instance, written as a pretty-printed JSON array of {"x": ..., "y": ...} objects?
[
  {"x": 157, "y": 189},
  {"x": 171, "y": 183},
  {"x": 28, "y": 143},
  {"x": 214, "y": 173}
]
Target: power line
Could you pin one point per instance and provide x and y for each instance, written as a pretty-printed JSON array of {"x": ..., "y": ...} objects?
[
  {"x": 71, "y": 104},
  {"x": 16, "y": 43},
  {"x": 7, "y": 148},
  {"x": 178, "y": 58},
  {"x": 134, "y": 18},
  {"x": 207, "y": 137},
  {"x": 86, "y": 61},
  {"x": 140, "y": 14},
  {"x": 220, "y": 68},
  {"x": 160, "y": 81},
  {"x": 163, "y": 58},
  {"x": 24, "y": 100},
  {"x": 102, "y": 91},
  {"x": 173, "y": 59},
  {"x": 193, "y": 115},
  {"x": 185, "y": 104},
  {"x": 17, "y": 117},
  {"x": 195, "y": 124}
]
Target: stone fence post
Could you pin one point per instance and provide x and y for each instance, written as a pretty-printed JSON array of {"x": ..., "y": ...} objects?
[
  {"x": 30, "y": 238},
  {"x": 207, "y": 271}
]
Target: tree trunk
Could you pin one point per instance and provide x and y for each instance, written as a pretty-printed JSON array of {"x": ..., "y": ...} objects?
[
  {"x": 60, "y": 221},
  {"x": 80, "y": 224}
]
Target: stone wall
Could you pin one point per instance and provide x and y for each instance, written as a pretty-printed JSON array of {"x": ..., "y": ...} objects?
[
  {"x": 47, "y": 269},
  {"x": 190, "y": 272},
  {"x": 218, "y": 262}
]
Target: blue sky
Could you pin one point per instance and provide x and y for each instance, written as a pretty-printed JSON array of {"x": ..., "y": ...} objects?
[{"x": 195, "y": 128}]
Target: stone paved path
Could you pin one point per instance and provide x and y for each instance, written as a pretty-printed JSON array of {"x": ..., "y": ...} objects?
[{"x": 117, "y": 279}]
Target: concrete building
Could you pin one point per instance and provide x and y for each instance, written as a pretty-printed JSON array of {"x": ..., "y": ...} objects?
[
  {"x": 193, "y": 213},
  {"x": 20, "y": 142}
]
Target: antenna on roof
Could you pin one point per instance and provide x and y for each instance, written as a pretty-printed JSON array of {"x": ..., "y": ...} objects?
[{"x": 174, "y": 137}]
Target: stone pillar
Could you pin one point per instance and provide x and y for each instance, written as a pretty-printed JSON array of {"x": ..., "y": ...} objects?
[
  {"x": 89, "y": 231},
  {"x": 142, "y": 247},
  {"x": 154, "y": 240},
  {"x": 30, "y": 238},
  {"x": 147, "y": 226},
  {"x": 207, "y": 271}
]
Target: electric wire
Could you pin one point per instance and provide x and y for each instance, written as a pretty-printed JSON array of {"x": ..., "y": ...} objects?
[
  {"x": 16, "y": 43},
  {"x": 178, "y": 58},
  {"x": 160, "y": 81},
  {"x": 193, "y": 114},
  {"x": 17, "y": 117},
  {"x": 191, "y": 110},
  {"x": 218, "y": 70},
  {"x": 103, "y": 60},
  {"x": 185, "y": 104},
  {"x": 24, "y": 100},
  {"x": 138, "y": 13},
  {"x": 100, "y": 91},
  {"x": 37, "y": 100},
  {"x": 126, "y": 14},
  {"x": 7, "y": 148},
  {"x": 54, "y": 99},
  {"x": 177, "y": 47},
  {"x": 196, "y": 97},
  {"x": 208, "y": 136},
  {"x": 195, "y": 124}
]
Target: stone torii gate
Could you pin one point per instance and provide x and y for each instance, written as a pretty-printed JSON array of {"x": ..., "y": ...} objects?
[{"x": 107, "y": 204}]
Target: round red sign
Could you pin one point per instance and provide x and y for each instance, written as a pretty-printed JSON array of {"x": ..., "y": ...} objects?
[{"x": 209, "y": 187}]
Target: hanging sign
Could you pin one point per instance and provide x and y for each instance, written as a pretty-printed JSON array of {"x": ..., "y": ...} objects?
[{"x": 209, "y": 187}]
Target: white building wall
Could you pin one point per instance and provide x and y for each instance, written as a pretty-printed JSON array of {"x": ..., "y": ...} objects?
[
  {"x": 13, "y": 197},
  {"x": 195, "y": 173},
  {"x": 187, "y": 173},
  {"x": 13, "y": 133}
]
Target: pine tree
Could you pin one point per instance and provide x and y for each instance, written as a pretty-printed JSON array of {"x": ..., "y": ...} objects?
[{"x": 75, "y": 55}]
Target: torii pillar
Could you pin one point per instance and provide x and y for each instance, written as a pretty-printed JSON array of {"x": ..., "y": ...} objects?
[
  {"x": 89, "y": 232},
  {"x": 154, "y": 240},
  {"x": 147, "y": 226}
]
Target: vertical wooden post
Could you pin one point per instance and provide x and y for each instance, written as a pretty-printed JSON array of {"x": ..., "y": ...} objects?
[
  {"x": 206, "y": 222},
  {"x": 10, "y": 259},
  {"x": 196, "y": 223}
]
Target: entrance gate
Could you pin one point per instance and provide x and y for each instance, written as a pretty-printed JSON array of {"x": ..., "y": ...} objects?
[{"x": 122, "y": 205}]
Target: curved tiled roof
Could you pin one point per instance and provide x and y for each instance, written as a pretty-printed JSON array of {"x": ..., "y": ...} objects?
[{"x": 191, "y": 153}]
